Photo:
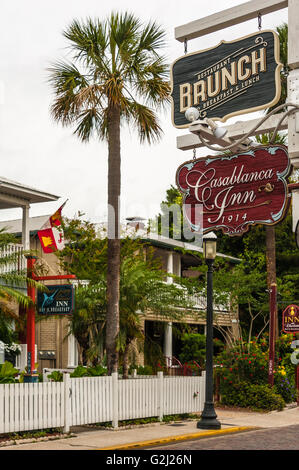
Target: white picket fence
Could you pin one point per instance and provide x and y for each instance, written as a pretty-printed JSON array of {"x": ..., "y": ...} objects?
[{"x": 88, "y": 400}]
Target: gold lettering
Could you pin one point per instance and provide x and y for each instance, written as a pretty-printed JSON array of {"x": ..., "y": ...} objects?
[
  {"x": 243, "y": 74},
  {"x": 213, "y": 92},
  {"x": 258, "y": 61},
  {"x": 229, "y": 76},
  {"x": 185, "y": 97},
  {"x": 200, "y": 91}
]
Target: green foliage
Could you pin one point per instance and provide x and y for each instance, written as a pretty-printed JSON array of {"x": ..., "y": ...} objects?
[
  {"x": 285, "y": 388},
  {"x": 11, "y": 280},
  {"x": 248, "y": 364},
  {"x": 254, "y": 396},
  {"x": 56, "y": 376},
  {"x": 142, "y": 288},
  {"x": 141, "y": 370},
  {"x": 115, "y": 65},
  {"x": 193, "y": 348},
  {"x": 8, "y": 373},
  {"x": 80, "y": 371},
  {"x": 240, "y": 365},
  {"x": 95, "y": 371}
]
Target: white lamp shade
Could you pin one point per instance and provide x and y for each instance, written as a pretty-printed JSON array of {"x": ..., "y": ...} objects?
[
  {"x": 192, "y": 114},
  {"x": 209, "y": 245},
  {"x": 220, "y": 132}
]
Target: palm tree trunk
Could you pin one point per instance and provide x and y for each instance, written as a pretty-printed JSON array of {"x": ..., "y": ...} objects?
[
  {"x": 126, "y": 361},
  {"x": 113, "y": 271},
  {"x": 271, "y": 265}
]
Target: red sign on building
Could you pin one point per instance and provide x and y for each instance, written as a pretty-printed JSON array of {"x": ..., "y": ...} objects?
[
  {"x": 236, "y": 191},
  {"x": 290, "y": 319}
]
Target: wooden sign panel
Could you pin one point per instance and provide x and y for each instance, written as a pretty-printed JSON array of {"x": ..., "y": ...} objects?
[
  {"x": 236, "y": 191},
  {"x": 232, "y": 78},
  {"x": 290, "y": 319},
  {"x": 58, "y": 301}
]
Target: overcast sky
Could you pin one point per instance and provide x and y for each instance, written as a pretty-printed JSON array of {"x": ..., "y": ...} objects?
[{"x": 38, "y": 152}]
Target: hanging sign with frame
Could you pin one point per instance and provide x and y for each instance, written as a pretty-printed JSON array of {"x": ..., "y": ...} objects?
[
  {"x": 235, "y": 77},
  {"x": 59, "y": 300},
  {"x": 290, "y": 319},
  {"x": 236, "y": 191}
]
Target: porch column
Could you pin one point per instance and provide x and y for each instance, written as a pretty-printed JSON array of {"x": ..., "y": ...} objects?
[
  {"x": 168, "y": 325},
  {"x": 25, "y": 227},
  {"x": 168, "y": 343},
  {"x": 170, "y": 266},
  {"x": 72, "y": 352}
]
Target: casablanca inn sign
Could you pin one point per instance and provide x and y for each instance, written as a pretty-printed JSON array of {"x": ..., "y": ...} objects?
[
  {"x": 236, "y": 191},
  {"x": 232, "y": 78}
]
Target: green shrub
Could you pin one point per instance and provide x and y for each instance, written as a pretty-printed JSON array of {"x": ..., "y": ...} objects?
[
  {"x": 254, "y": 396},
  {"x": 56, "y": 376},
  {"x": 83, "y": 371},
  {"x": 193, "y": 348},
  {"x": 8, "y": 373},
  {"x": 238, "y": 365},
  {"x": 80, "y": 371},
  {"x": 144, "y": 370},
  {"x": 141, "y": 370},
  {"x": 97, "y": 370},
  {"x": 285, "y": 388}
]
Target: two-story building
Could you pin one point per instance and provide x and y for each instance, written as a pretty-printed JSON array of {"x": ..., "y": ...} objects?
[{"x": 56, "y": 348}]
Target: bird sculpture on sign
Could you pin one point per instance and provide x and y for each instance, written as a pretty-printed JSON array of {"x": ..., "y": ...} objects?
[{"x": 236, "y": 191}]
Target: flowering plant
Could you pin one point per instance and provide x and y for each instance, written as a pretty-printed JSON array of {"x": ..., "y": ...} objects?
[{"x": 12, "y": 348}]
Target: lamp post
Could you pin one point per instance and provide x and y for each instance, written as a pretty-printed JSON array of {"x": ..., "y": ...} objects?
[{"x": 208, "y": 417}]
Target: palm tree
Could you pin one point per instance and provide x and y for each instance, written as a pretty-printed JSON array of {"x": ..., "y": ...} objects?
[
  {"x": 116, "y": 74},
  {"x": 282, "y": 32}
]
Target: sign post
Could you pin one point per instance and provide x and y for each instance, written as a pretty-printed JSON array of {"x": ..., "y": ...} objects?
[
  {"x": 273, "y": 313},
  {"x": 295, "y": 361},
  {"x": 31, "y": 375}
]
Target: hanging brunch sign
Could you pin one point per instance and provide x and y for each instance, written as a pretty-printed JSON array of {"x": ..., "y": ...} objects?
[
  {"x": 236, "y": 191},
  {"x": 232, "y": 78}
]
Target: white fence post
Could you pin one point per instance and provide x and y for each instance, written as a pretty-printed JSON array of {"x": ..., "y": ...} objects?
[
  {"x": 67, "y": 402},
  {"x": 160, "y": 396},
  {"x": 202, "y": 390},
  {"x": 115, "y": 399}
]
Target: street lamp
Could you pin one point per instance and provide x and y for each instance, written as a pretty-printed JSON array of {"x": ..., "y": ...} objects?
[{"x": 208, "y": 417}]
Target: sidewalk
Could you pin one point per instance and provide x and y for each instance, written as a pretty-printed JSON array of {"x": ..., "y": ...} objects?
[{"x": 92, "y": 438}]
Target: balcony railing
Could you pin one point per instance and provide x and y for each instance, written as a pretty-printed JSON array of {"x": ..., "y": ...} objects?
[
  {"x": 16, "y": 261},
  {"x": 199, "y": 301}
]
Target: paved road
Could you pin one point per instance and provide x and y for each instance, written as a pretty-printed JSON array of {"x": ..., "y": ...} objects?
[{"x": 286, "y": 438}]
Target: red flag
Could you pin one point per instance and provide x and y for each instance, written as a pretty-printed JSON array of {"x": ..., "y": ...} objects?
[
  {"x": 51, "y": 235},
  {"x": 47, "y": 240},
  {"x": 56, "y": 218}
]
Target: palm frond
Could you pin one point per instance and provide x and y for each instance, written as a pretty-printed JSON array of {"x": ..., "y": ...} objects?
[
  {"x": 88, "y": 39},
  {"x": 115, "y": 61},
  {"x": 145, "y": 120}
]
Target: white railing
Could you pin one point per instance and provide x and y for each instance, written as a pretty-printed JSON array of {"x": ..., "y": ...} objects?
[
  {"x": 199, "y": 301},
  {"x": 16, "y": 260},
  {"x": 87, "y": 400}
]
